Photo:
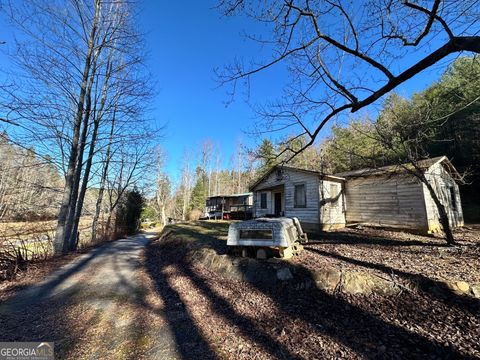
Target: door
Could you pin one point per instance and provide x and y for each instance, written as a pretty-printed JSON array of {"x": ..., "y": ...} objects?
[{"x": 278, "y": 204}]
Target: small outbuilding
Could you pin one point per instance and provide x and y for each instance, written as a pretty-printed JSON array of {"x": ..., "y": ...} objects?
[
  {"x": 316, "y": 199},
  {"x": 392, "y": 197}
]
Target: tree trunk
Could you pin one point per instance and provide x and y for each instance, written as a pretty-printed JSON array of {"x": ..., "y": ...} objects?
[
  {"x": 442, "y": 213},
  {"x": 81, "y": 197},
  {"x": 61, "y": 242},
  {"x": 96, "y": 216},
  {"x": 76, "y": 198},
  {"x": 163, "y": 215},
  {"x": 98, "y": 205},
  {"x": 107, "y": 224}
]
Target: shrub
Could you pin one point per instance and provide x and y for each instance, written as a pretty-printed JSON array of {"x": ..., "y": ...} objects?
[
  {"x": 194, "y": 214},
  {"x": 129, "y": 212}
]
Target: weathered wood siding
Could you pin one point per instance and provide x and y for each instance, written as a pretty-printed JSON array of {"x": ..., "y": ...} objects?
[
  {"x": 257, "y": 210},
  {"x": 443, "y": 183},
  {"x": 286, "y": 182},
  {"x": 332, "y": 208},
  {"x": 309, "y": 213},
  {"x": 396, "y": 201}
]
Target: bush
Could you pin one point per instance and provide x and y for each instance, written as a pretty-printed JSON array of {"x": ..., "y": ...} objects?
[
  {"x": 194, "y": 214},
  {"x": 129, "y": 212}
]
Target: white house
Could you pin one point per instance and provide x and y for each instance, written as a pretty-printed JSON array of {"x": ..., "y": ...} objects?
[
  {"x": 389, "y": 197},
  {"x": 317, "y": 200}
]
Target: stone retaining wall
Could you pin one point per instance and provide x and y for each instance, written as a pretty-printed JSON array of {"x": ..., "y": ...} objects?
[{"x": 278, "y": 273}]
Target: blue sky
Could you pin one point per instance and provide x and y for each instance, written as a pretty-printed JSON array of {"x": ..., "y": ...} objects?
[{"x": 186, "y": 41}]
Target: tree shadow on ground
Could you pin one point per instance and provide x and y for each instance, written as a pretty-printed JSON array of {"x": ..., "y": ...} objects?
[
  {"x": 189, "y": 341},
  {"x": 355, "y": 327},
  {"x": 65, "y": 311},
  {"x": 330, "y": 316},
  {"x": 162, "y": 255},
  {"x": 350, "y": 238},
  {"x": 431, "y": 287}
]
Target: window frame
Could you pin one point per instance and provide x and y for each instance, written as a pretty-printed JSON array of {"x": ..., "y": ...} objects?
[
  {"x": 295, "y": 204},
  {"x": 332, "y": 193},
  {"x": 453, "y": 198},
  {"x": 263, "y": 200}
]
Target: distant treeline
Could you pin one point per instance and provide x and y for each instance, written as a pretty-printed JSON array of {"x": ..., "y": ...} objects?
[{"x": 30, "y": 186}]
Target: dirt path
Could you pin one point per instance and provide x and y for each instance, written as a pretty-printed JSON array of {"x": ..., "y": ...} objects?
[{"x": 97, "y": 307}]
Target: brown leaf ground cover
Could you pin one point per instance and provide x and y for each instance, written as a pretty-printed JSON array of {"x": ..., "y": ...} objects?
[
  {"x": 400, "y": 254},
  {"x": 35, "y": 272},
  {"x": 121, "y": 302},
  {"x": 235, "y": 320}
]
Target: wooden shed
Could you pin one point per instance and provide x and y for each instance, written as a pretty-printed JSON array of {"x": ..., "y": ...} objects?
[
  {"x": 392, "y": 197},
  {"x": 317, "y": 200}
]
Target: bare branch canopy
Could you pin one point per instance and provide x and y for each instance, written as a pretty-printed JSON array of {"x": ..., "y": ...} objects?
[{"x": 345, "y": 55}]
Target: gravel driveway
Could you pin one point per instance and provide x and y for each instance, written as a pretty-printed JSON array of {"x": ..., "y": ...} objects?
[{"x": 94, "y": 307}]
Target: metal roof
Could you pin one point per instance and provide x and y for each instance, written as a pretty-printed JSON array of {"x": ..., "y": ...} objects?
[
  {"x": 291, "y": 168},
  {"x": 403, "y": 168},
  {"x": 230, "y": 195}
]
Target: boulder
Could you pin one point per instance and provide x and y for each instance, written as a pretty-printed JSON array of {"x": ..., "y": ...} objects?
[
  {"x": 357, "y": 283},
  {"x": 384, "y": 287},
  {"x": 463, "y": 286},
  {"x": 458, "y": 287},
  {"x": 475, "y": 289},
  {"x": 326, "y": 279},
  {"x": 284, "y": 274}
]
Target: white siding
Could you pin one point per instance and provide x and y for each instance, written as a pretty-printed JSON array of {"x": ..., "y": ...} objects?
[
  {"x": 286, "y": 182},
  {"x": 258, "y": 211},
  {"x": 395, "y": 201},
  {"x": 333, "y": 207},
  {"x": 309, "y": 213},
  {"x": 333, "y": 212},
  {"x": 442, "y": 182}
]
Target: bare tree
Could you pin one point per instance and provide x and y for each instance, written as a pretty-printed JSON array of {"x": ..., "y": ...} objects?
[
  {"x": 343, "y": 55},
  {"x": 186, "y": 185},
  {"x": 86, "y": 83},
  {"x": 127, "y": 169},
  {"x": 103, "y": 178},
  {"x": 163, "y": 189},
  {"x": 206, "y": 164}
]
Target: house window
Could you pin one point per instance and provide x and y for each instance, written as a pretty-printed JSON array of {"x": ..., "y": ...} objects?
[
  {"x": 263, "y": 200},
  {"x": 300, "y": 196},
  {"x": 453, "y": 198},
  {"x": 333, "y": 190}
]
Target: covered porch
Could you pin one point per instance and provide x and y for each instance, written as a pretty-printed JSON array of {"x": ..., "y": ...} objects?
[{"x": 270, "y": 201}]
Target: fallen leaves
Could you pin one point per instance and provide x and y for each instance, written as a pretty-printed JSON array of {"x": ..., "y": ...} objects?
[{"x": 245, "y": 321}]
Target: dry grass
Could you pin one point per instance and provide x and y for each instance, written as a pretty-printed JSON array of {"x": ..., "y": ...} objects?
[
  {"x": 33, "y": 229},
  {"x": 23, "y": 244}
]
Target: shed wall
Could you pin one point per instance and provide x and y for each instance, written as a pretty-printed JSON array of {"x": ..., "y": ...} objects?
[
  {"x": 396, "y": 201},
  {"x": 445, "y": 187}
]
